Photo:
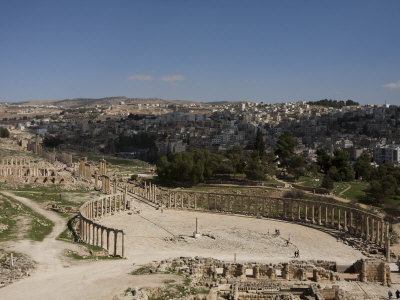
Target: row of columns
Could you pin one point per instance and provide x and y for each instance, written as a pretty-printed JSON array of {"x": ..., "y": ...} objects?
[
  {"x": 99, "y": 235},
  {"x": 150, "y": 192},
  {"x": 15, "y": 161},
  {"x": 93, "y": 233},
  {"x": 20, "y": 171}
]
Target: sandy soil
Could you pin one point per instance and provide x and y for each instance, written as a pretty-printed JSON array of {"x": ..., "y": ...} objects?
[{"x": 155, "y": 235}]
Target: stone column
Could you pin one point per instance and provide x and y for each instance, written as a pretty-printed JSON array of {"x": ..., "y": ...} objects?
[
  {"x": 291, "y": 209},
  {"x": 123, "y": 244},
  {"x": 367, "y": 236},
  {"x": 387, "y": 243},
  {"x": 298, "y": 210},
  {"x": 306, "y": 212},
  {"x": 102, "y": 237},
  {"x": 362, "y": 221},
  {"x": 351, "y": 222},
  {"x": 319, "y": 215},
  {"x": 338, "y": 223},
  {"x": 312, "y": 213},
  {"x": 345, "y": 220},
  {"x": 115, "y": 242},
  {"x": 372, "y": 235},
  {"x": 377, "y": 234},
  {"x": 94, "y": 231},
  {"x": 326, "y": 216},
  {"x": 108, "y": 239},
  {"x": 89, "y": 231},
  {"x": 333, "y": 216}
]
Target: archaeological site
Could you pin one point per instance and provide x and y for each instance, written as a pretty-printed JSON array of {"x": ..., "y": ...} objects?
[{"x": 80, "y": 228}]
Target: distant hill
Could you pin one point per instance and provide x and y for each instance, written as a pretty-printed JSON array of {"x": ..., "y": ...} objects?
[{"x": 108, "y": 101}]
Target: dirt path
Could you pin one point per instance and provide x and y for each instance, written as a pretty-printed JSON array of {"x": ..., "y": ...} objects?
[
  {"x": 47, "y": 252},
  {"x": 345, "y": 190},
  {"x": 55, "y": 277}
]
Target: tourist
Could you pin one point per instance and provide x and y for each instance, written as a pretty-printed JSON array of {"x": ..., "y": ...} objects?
[
  {"x": 397, "y": 294},
  {"x": 390, "y": 294}
]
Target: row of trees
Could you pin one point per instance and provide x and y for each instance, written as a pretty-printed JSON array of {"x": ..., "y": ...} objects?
[
  {"x": 198, "y": 165},
  {"x": 333, "y": 103},
  {"x": 195, "y": 166}
]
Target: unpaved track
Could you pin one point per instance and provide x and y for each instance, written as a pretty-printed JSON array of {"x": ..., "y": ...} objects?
[{"x": 56, "y": 278}]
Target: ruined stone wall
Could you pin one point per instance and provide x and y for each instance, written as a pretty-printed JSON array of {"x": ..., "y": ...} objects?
[
  {"x": 371, "y": 270},
  {"x": 65, "y": 157}
]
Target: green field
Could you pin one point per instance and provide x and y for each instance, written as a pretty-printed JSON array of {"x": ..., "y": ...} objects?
[
  {"x": 356, "y": 191},
  {"x": 309, "y": 181},
  {"x": 22, "y": 221}
]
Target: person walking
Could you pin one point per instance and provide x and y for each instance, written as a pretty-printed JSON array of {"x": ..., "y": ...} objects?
[
  {"x": 390, "y": 295},
  {"x": 397, "y": 294}
]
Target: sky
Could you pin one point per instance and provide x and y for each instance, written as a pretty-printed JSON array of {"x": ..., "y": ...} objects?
[{"x": 270, "y": 51}]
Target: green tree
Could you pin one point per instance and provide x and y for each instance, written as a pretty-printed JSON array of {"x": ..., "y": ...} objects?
[
  {"x": 340, "y": 160},
  {"x": 51, "y": 141},
  {"x": 254, "y": 169},
  {"x": 259, "y": 144},
  {"x": 234, "y": 154},
  {"x": 327, "y": 183},
  {"x": 285, "y": 148},
  {"x": 269, "y": 162},
  {"x": 324, "y": 160},
  {"x": 4, "y": 133},
  {"x": 297, "y": 166},
  {"x": 362, "y": 167}
]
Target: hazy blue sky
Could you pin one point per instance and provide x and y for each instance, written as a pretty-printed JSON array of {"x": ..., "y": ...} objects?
[{"x": 269, "y": 51}]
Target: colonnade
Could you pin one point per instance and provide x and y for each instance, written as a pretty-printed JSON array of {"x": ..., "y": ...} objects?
[
  {"x": 99, "y": 235},
  {"x": 21, "y": 167}
]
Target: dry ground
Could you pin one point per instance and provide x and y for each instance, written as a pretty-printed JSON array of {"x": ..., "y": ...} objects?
[{"x": 153, "y": 235}]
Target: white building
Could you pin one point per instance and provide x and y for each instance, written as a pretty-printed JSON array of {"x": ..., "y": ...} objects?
[{"x": 387, "y": 154}]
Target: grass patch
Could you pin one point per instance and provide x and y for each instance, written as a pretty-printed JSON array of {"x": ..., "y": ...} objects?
[
  {"x": 66, "y": 235},
  {"x": 174, "y": 290},
  {"x": 310, "y": 181},
  {"x": 356, "y": 191},
  {"x": 339, "y": 187},
  {"x": 39, "y": 226},
  {"x": 142, "y": 271}
]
